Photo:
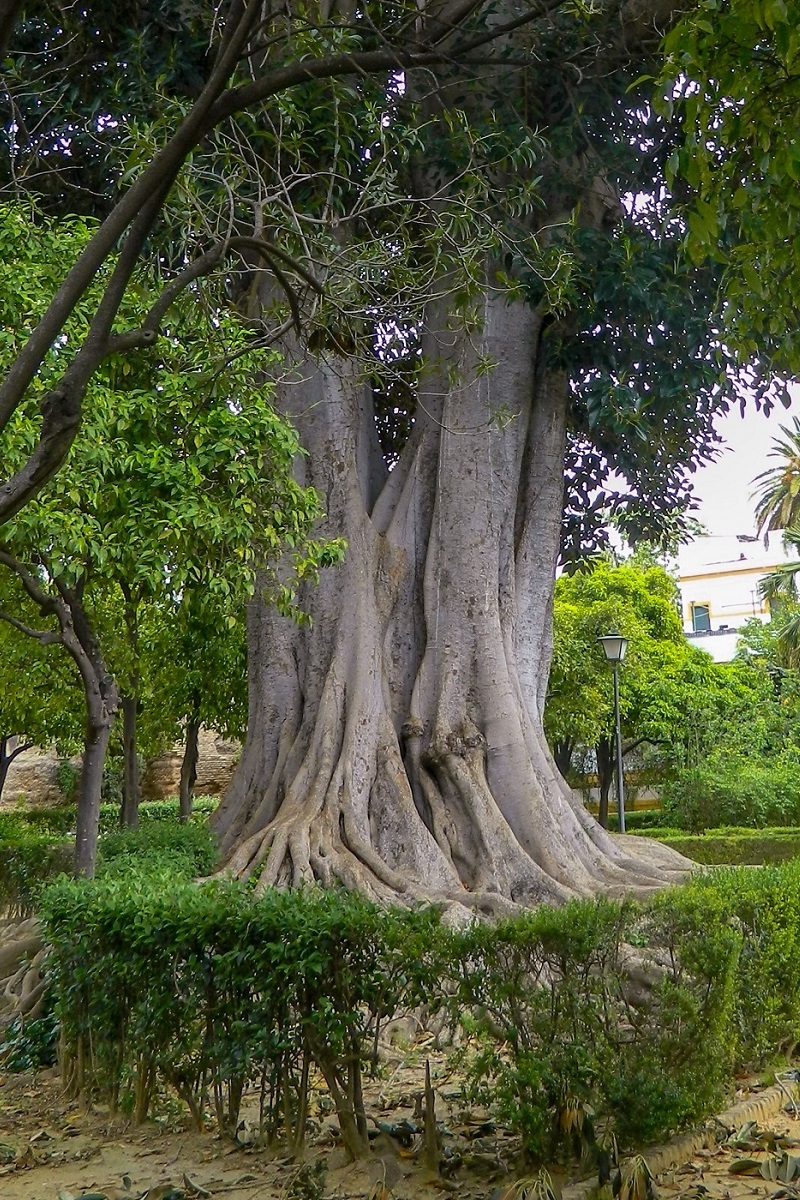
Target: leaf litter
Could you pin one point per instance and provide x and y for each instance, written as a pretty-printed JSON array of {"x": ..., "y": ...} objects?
[{"x": 52, "y": 1148}]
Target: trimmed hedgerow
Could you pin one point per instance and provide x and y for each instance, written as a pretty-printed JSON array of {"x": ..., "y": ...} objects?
[
  {"x": 561, "y": 1030},
  {"x": 635, "y": 1015},
  {"x": 210, "y": 988},
  {"x": 733, "y": 846}
]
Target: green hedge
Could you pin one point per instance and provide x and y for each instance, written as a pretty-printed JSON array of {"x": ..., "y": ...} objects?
[
  {"x": 562, "y": 1036},
  {"x": 733, "y": 846},
  {"x": 162, "y": 984},
  {"x": 28, "y": 860},
  {"x": 209, "y": 988}
]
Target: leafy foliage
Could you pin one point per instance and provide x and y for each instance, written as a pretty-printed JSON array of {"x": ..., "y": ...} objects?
[
  {"x": 727, "y": 788},
  {"x": 733, "y": 81},
  {"x": 778, "y": 491},
  {"x": 556, "y": 1022},
  {"x": 36, "y": 846}
]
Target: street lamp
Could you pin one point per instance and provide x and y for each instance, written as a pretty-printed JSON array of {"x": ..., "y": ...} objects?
[{"x": 614, "y": 647}]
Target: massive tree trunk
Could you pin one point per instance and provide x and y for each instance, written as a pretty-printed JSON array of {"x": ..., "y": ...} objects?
[{"x": 395, "y": 744}]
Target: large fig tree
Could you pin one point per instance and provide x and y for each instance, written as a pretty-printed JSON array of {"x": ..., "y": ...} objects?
[
  {"x": 543, "y": 314},
  {"x": 395, "y": 743}
]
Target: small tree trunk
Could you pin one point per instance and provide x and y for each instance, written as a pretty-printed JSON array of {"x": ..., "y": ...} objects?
[
  {"x": 562, "y": 753},
  {"x": 89, "y": 789},
  {"x": 604, "y": 752},
  {"x": 189, "y": 768},
  {"x": 5, "y": 762},
  {"x": 10, "y": 747},
  {"x": 131, "y": 781}
]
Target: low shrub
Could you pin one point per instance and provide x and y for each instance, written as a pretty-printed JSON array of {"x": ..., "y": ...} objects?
[
  {"x": 35, "y": 849},
  {"x": 729, "y": 789},
  {"x": 764, "y": 905},
  {"x": 29, "y": 1045},
  {"x": 637, "y": 819},
  {"x": 60, "y": 819},
  {"x": 209, "y": 988},
  {"x": 28, "y": 861},
  {"x": 185, "y": 851},
  {"x": 562, "y": 1033}
]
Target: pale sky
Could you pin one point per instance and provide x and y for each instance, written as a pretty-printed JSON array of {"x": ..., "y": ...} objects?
[{"x": 724, "y": 489}]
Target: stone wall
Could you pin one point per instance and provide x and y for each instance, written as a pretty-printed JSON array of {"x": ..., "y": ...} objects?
[{"x": 33, "y": 776}]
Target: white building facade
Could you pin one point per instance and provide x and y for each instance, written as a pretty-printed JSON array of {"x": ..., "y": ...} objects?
[{"x": 718, "y": 578}]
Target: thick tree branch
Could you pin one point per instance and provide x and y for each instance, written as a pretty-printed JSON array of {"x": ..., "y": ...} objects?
[
  {"x": 36, "y": 592},
  {"x": 140, "y": 206},
  {"x": 46, "y": 637},
  {"x": 153, "y": 181},
  {"x": 7, "y": 756}
]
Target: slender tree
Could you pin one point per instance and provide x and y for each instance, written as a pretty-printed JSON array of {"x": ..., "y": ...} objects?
[{"x": 181, "y": 480}]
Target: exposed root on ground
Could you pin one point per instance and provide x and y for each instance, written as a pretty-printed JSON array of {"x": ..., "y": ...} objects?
[{"x": 22, "y": 984}]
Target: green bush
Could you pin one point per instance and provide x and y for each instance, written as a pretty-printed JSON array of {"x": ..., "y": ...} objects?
[
  {"x": 764, "y": 905},
  {"x": 34, "y": 849},
  {"x": 729, "y": 789},
  {"x": 186, "y": 851},
  {"x": 61, "y": 819},
  {"x": 637, "y": 1014},
  {"x": 28, "y": 1045},
  {"x": 209, "y": 988},
  {"x": 29, "y": 860},
  {"x": 558, "y": 1029}
]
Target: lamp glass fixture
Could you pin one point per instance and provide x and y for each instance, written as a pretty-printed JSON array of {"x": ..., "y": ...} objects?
[{"x": 614, "y": 646}]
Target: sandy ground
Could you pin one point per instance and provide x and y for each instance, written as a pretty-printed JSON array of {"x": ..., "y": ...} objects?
[{"x": 54, "y": 1149}]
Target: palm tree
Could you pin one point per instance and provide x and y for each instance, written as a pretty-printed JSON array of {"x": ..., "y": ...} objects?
[
  {"x": 778, "y": 490},
  {"x": 779, "y": 588}
]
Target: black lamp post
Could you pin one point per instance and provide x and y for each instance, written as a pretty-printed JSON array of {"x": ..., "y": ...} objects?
[{"x": 614, "y": 647}]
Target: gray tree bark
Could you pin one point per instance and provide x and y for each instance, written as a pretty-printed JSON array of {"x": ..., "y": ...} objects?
[{"x": 395, "y": 745}]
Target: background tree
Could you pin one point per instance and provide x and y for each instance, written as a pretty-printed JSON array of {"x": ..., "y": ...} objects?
[
  {"x": 181, "y": 480},
  {"x": 196, "y": 664},
  {"x": 40, "y": 695},
  {"x": 663, "y": 677},
  {"x": 732, "y": 83},
  {"x": 778, "y": 490}
]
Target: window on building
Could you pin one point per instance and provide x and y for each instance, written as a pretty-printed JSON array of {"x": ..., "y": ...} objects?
[{"x": 701, "y": 618}]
